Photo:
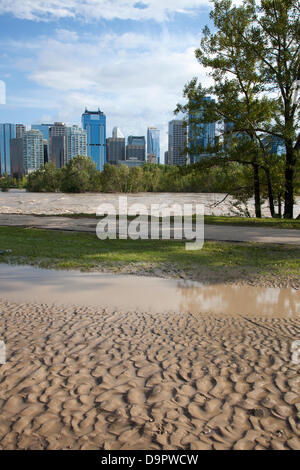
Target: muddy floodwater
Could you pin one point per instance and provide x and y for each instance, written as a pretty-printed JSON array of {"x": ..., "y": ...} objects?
[
  {"x": 141, "y": 293},
  {"x": 20, "y": 202}
]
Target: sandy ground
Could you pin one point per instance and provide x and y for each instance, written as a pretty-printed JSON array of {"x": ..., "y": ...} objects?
[{"x": 87, "y": 378}]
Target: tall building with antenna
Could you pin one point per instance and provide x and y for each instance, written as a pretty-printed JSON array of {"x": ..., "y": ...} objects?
[{"x": 94, "y": 122}]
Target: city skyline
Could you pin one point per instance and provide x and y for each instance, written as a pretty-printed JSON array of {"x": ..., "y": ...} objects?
[
  {"x": 131, "y": 62},
  {"x": 59, "y": 143},
  {"x": 151, "y": 141}
]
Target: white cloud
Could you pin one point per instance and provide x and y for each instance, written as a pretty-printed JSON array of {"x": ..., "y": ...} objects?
[
  {"x": 96, "y": 9},
  {"x": 2, "y": 92},
  {"x": 135, "y": 79},
  {"x": 66, "y": 36}
]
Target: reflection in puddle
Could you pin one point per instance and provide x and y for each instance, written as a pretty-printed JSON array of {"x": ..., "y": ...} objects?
[
  {"x": 27, "y": 284},
  {"x": 244, "y": 300}
]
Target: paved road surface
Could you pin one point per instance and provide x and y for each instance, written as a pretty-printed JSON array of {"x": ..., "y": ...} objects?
[{"x": 212, "y": 232}]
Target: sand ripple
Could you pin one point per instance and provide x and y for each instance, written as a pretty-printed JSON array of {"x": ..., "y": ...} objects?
[{"x": 82, "y": 378}]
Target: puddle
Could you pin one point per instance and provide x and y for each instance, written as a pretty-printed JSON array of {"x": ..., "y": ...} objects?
[{"x": 125, "y": 292}]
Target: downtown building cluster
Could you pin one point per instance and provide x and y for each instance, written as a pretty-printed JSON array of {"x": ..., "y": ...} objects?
[
  {"x": 23, "y": 151},
  {"x": 114, "y": 149}
]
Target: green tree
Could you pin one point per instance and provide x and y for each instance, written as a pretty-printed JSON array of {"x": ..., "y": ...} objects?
[
  {"x": 51, "y": 177},
  {"x": 110, "y": 180},
  {"x": 45, "y": 179},
  {"x": 35, "y": 182},
  {"x": 151, "y": 177},
  {"x": 255, "y": 50},
  {"x": 275, "y": 39},
  {"x": 135, "y": 180},
  {"x": 7, "y": 182},
  {"x": 78, "y": 175},
  {"x": 123, "y": 174},
  {"x": 236, "y": 86},
  {"x": 22, "y": 182}
]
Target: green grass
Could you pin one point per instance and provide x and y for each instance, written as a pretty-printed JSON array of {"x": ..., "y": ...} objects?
[
  {"x": 244, "y": 221},
  {"x": 68, "y": 250}
]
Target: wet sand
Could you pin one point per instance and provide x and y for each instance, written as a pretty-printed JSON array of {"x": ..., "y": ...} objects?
[{"x": 80, "y": 377}]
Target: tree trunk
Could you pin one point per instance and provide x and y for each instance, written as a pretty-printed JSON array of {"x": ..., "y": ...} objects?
[
  {"x": 257, "y": 191},
  {"x": 279, "y": 206},
  {"x": 289, "y": 182},
  {"x": 270, "y": 192}
]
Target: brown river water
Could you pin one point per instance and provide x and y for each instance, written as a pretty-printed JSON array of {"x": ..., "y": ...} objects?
[
  {"x": 147, "y": 294},
  {"x": 20, "y": 202}
]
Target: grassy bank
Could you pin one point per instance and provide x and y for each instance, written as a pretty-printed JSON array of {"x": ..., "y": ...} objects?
[
  {"x": 218, "y": 262},
  {"x": 245, "y": 221}
]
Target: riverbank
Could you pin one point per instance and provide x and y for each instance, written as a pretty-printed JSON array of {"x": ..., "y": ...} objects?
[
  {"x": 242, "y": 263},
  {"x": 235, "y": 221}
]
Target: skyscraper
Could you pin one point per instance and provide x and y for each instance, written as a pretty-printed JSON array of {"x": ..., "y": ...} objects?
[
  {"x": 20, "y": 130},
  {"x": 44, "y": 129},
  {"x": 94, "y": 122},
  {"x": 17, "y": 157},
  {"x": 115, "y": 147},
  {"x": 200, "y": 135},
  {"x": 117, "y": 134},
  {"x": 33, "y": 145},
  {"x": 46, "y": 154},
  {"x": 136, "y": 148},
  {"x": 58, "y": 150},
  {"x": 76, "y": 143},
  {"x": 177, "y": 143},
  {"x": 58, "y": 134},
  {"x": 153, "y": 144},
  {"x": 7, "y": 132}
]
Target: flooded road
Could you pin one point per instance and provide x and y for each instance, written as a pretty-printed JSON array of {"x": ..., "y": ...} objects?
[{"x": 147, "y": 294}]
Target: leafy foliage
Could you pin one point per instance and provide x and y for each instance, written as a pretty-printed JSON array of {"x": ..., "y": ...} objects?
[{"x": 253, "y": 56}]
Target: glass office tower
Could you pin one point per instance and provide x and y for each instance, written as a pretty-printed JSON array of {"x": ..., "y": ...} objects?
[
  {"x": 115, "y": 147},
  {"x": 7, "y": 132},
  {"x": 17, "y": 157},
  {"x": 136, "y": 148},
  {"x": 58, "y": 134},
  {"x": 20, "y": 130},
  {"x": 153, "y": 143},
  {"x": 177, "y": 143},
  {"x": 200, "y": 135},
  {"x": 94, "y": 122}
]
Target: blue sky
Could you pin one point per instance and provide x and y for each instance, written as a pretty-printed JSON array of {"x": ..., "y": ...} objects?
[{"x": 130, "y": 58}]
